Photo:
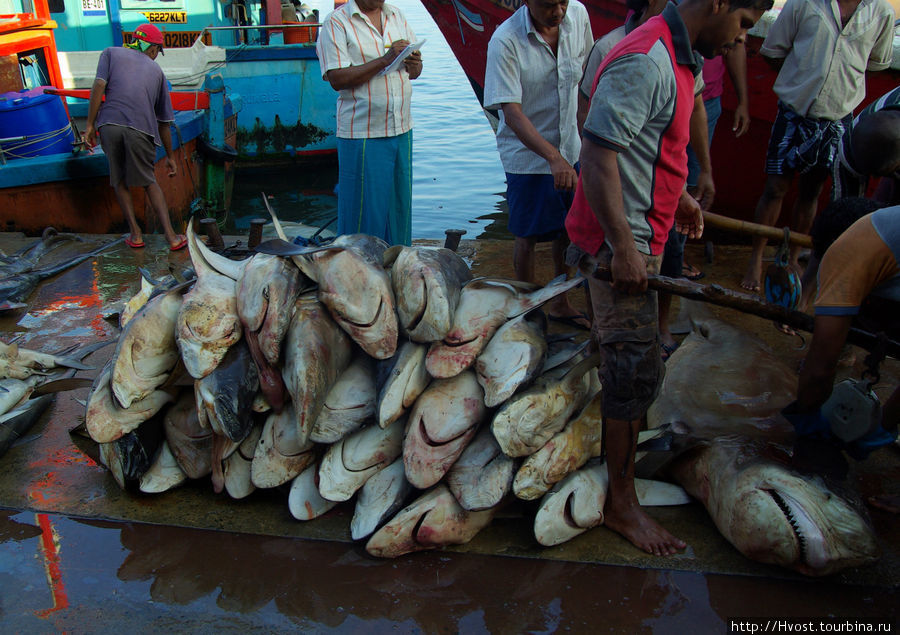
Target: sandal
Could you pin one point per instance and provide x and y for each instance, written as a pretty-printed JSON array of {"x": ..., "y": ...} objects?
[
  {"x": 133, "y": 243},
  {"x": 181, "y": 244},
  {"x": 691, "y": 272},
  {"x": 667, "y": 350}
]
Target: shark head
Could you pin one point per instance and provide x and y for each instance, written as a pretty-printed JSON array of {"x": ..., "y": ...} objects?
[{"x": 782, "y": 517}]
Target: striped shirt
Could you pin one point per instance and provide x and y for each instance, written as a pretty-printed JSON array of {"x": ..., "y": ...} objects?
[
  {"x": 380, "y": 107},
  {"x": 522, "y": 69},
  {"x": 825, "y": 64}
]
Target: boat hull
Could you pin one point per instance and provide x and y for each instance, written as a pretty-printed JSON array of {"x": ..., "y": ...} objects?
[
  {"x": 72, "y": 193},
  {"x": 738, "y": 163}
]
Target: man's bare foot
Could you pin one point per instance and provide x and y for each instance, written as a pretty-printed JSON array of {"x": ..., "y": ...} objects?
[
  {"x": 642, "y": 531},
  {"x": 886, "y": 502},
  {"x": 751, "y": 283},
  {"x": 562, "y": 311}
]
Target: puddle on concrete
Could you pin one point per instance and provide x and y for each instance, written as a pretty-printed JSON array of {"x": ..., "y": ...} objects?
[{"x": 74, "y": 575}]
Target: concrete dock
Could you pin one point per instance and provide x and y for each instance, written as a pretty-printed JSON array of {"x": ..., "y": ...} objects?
[{"x": 54, "y": 473}]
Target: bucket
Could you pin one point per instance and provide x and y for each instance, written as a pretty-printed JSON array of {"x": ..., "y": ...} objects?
[
  {"x": 40, "y": 118},
  {"x": 295, "y": 35}
]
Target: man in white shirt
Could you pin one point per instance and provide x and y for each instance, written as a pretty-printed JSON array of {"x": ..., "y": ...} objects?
[
  {"x": 822, "y": 48},
  {"x": 534, "y": 61},
  {"x": 356, "y": 43}
]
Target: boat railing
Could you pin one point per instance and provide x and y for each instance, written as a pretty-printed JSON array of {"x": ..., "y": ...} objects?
[{"x": 266, "y": 27}]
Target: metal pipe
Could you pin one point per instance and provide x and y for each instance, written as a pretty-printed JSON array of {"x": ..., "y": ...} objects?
[
  {"x": 256, "y": 228},
  {"x": 211, "y": 229},
  {"x": 451, "y": 241}
]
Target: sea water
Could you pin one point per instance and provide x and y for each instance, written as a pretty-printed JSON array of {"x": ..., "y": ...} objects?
[{"x": 458, "y": 181}]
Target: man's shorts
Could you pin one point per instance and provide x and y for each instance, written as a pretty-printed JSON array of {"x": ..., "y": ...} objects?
[
  {"x": 536, "y": 208},
  {"x": 801, "y": 144},
  {"x": 626, "y": 331},
  {"x": 131, "y": 155}
]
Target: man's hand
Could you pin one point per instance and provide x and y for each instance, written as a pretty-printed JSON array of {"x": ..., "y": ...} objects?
[
  {"x": 689, "y": 216},
  {"x": 394, "y": 50},
  {"x": 170, "y": 167},
  {"x": 413, "y": 64},
  {"x": 629, "y": 271},
  {"x": 564, "y": 175},
  {"x": 90, "y": 136},
  {"x": 705, "y": 190},
  {"x": 741, "y": 120}
]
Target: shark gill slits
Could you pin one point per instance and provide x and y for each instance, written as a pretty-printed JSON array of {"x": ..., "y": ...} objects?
[
  {"x": 416, "y": 319},
  {"x": 568, "y": 516}
]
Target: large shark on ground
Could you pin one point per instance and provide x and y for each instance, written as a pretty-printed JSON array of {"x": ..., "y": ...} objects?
[{"x": 723, "y": 394}]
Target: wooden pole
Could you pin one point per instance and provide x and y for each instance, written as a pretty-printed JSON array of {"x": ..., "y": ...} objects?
[
  {"x": 753, "y": 304},
  {"x": 755, "y": 229}
]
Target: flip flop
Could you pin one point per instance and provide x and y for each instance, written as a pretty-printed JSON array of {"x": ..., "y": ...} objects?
[
  {"x": 691, "y": 272},
  {"x": 133, "y": 244},
  {"x": 572, "y": 320},
  {"x": 181, "y": 244},
  {"x": 667, "y": 350}
]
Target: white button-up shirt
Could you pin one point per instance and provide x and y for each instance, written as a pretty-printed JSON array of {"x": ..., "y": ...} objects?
[
  {"x": 380, "y": 107},
  {"x": 522, "y": 69},
  {"x": 824, "y": 64}
]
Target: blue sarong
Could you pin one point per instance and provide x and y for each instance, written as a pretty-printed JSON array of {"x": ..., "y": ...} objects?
[{"x": 375, "y": 187}]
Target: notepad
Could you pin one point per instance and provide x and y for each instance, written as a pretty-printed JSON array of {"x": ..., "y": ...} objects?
[{"x": 390, "y": 68}]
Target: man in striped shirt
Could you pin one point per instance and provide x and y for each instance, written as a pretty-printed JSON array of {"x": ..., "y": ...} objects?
[{"x": 357, "y": 43}]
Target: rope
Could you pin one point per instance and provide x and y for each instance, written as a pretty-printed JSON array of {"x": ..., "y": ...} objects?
[{"x": 51, "y": 137}]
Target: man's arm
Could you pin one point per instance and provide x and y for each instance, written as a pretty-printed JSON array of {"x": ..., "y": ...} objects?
[
  {"x": 603, "y": 190},
  {"x": 564, "y": 176},
  {"x": 97, "y": 91},
  {"x": 736, "y": 64},
  {"x": 705, "y": 189},
  {"x": 817, "y": 374},
  {"x": 353, "y": 76},
  {"x": 165, "y": 135}
]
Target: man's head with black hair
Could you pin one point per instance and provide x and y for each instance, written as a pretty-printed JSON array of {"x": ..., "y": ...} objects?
[
  {"x": 875, "y": 144},
  {"x": 836, "y": 218}
]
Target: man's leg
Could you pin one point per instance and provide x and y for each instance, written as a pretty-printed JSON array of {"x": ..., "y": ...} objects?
[
  {"x": 523, "y": 258},
  {"x": 158, "y": 202},
  {"x": 399, "y": 221},
  {"x": 560, "y": 306},
  {"x": 671, "y": 267},
  {"x": 625, "y": 332},
  {"x": 767, "y": 211},
  {"x": 809, "y": 187},
  {"x": 622, "y": 512},
  {"x": 123, "y": 196}
]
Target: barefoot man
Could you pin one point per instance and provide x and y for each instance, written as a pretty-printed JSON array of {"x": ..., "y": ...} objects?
[{"x": 630, "y": 192}]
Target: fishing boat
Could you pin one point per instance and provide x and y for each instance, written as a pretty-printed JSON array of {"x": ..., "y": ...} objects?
[
  {"x": 738, "y": 163},
  {"x": 264, "y": 50},
  {"x": 48, "y": 177}
]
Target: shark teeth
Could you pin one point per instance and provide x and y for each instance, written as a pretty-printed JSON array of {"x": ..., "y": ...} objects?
[{"x": 789, "y": 515}]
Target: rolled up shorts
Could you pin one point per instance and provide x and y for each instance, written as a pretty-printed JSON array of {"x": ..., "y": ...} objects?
[
  {"x": 626, "y": 331},
  {"x": 131, "y": 155},
  {"x": 800, "y": 144},
  {"x": 536, "y": 208}
]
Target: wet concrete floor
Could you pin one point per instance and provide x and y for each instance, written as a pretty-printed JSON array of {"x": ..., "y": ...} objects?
[{"x": 78, "y": 554}]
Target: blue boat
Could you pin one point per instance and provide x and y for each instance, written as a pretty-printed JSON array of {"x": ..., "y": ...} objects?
[
  {"x": 49, "y": 178},
  {"x": 265, "y": 52}
]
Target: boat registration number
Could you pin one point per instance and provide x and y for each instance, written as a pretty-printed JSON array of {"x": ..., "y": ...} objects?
[
  {"x": 166, "y": 17},
  {"x": 175, "y": 39}
]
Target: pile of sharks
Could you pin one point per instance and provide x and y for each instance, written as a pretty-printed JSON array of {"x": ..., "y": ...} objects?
[{"x": 389, "y": 377}]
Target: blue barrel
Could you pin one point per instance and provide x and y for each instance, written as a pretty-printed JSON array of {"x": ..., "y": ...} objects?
[{"x": 40, "y": 118}]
